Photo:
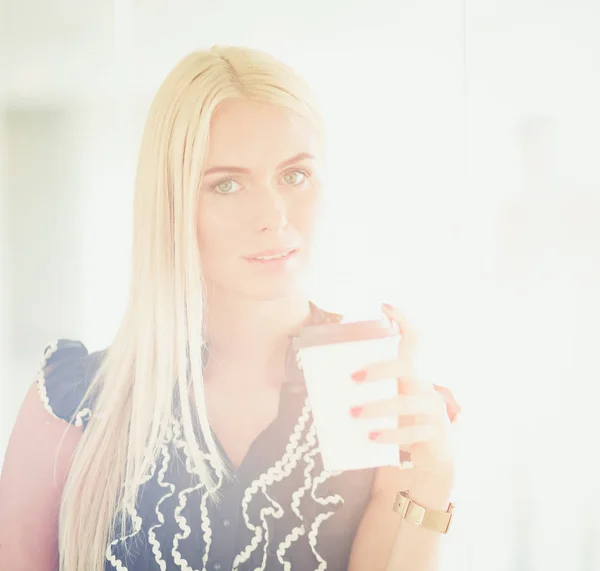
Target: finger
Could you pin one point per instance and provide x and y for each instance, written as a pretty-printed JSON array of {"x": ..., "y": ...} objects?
[
  {"x": 408, "y": 436},
  {"x": 414, "y": 386},
  {"x": 453, "y": 408},
  {"x": 407, "y": 331},
  {"x": 401, "y": 406},
  {"x": 393, "y": 369},
  {"x": 398, "y": 369},
  {"x": 407, "y": 351}
]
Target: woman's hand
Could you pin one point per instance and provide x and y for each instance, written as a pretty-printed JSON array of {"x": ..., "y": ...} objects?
[{"x": 425, "y": 412}]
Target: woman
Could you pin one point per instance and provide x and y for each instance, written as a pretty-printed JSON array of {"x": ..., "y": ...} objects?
[{"x": 188, "y": 446}]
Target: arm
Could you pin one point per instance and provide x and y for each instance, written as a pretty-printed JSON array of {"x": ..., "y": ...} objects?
[
  {"x": 384, "y": 541},
  {"x": 31, "y": 484}
]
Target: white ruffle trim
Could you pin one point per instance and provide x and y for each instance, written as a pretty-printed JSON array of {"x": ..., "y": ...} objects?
[
  {"x": 281, "y": 469},
  {"x": 41, "y": 379},
  {"x": 83, "y": 415},
  {"x": 180, "y": 519},
  {"x": 302, "y": 446},
  {"x": 137, "y": 526},
  {"x": 161, "y": 518}
]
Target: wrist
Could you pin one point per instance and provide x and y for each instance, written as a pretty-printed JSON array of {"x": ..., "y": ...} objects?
[{"x": 432, "y": 491}]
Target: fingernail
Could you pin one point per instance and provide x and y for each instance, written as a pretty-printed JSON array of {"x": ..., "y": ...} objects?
[
  {"x": 356, "y": 410},
  {"x": 359, "y": 376},
  {"x": 452, "y": 407},
  {"x": 386, "y": 307},
  {"x": 374, "y": 435}
]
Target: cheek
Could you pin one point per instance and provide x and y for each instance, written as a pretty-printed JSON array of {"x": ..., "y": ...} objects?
[
  {"x": 216, "y": 233},
  {"x": 303, "y": 216}
]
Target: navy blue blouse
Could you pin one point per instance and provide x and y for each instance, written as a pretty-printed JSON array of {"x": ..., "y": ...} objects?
[{"x": 282, "y": 511}]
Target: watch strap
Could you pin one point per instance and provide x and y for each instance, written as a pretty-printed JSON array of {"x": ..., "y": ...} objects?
[{"x": 421, "y": 516}]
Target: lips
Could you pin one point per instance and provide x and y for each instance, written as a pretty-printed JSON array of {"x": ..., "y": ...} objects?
[{"x": 272, "y": 254}]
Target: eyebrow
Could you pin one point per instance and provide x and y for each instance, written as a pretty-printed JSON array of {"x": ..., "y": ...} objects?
[{"x": 242, "y": 170}]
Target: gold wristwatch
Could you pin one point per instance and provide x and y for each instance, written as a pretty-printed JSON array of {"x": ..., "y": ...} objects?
[{"x": 417, "y": 514}]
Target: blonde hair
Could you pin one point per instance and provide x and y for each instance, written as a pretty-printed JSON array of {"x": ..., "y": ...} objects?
[{"x": 153, "y": 369}]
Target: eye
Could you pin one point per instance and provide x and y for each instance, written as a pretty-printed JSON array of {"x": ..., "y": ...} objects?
[
  {"x": 225, "y": 186},
  {"x": 296, "y": 177}
]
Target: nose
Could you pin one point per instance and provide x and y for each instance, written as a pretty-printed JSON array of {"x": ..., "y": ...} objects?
[{"x": 270, "y": 210}]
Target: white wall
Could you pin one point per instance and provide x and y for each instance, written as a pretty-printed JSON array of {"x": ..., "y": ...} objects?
[{"x": 431, "y": 205}]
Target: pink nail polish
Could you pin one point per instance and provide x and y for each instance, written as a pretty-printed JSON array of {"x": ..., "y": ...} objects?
[
  {"x": 374, "y": 435},
  {"x": 356, "y": 410},
  {"x": 359, "y": 376}
]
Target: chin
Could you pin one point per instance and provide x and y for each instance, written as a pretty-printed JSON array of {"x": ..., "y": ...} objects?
[
  {"x": 271, "y": 288},
  {"x": 267, "y": 285},
  {"x": 273, "y": 292}
]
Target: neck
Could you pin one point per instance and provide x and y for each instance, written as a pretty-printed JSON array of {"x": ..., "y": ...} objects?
[{"x": 248, "y": 338}]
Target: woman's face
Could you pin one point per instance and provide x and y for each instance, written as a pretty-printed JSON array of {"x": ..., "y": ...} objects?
[{"x": 258, "y": 199}]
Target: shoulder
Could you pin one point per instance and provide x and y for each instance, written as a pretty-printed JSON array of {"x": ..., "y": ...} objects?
[{"x": 64, "y": 379}]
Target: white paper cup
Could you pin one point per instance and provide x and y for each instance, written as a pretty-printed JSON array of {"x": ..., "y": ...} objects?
[{"x": 328, "y": 355}]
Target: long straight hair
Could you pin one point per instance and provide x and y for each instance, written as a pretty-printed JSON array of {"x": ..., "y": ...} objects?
[{"x": 151, "y": 375}]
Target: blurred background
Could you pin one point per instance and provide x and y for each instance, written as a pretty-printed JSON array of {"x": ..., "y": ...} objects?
[{"x": 464, "y": 187}]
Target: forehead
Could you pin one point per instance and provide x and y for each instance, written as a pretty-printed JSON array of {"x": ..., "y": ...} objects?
[{"x": 243, "y": 133}]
